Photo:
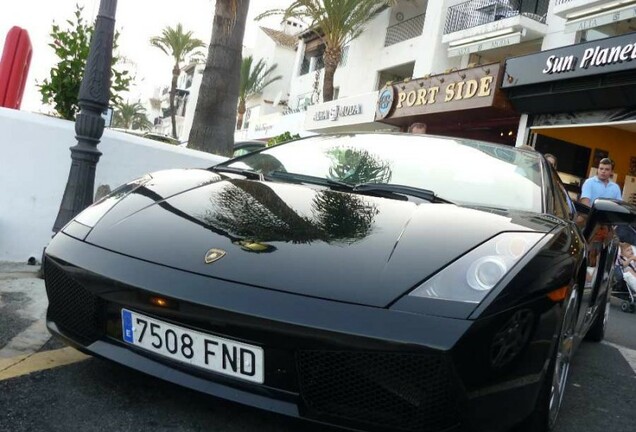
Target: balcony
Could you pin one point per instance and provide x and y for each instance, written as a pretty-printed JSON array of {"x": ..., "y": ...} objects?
[
  {"x": 481, "y": 25},
  {"x": 475, "y": 13},
  {"x": 408, "y": 29},
  {"x": 587, "y": 14}
]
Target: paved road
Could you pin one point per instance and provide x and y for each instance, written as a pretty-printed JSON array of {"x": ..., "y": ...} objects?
[{"x": 89, "y": 394}]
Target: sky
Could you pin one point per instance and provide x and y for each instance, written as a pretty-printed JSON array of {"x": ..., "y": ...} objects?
[{"x": 136, "y": 20}]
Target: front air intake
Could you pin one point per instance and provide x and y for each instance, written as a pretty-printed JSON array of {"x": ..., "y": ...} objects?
[
  {"x": 73, "y": 308},
  {"x": 400, "y": 391}
]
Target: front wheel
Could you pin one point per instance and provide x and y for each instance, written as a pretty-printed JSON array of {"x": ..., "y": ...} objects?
[{"x": 550, "y": 396}]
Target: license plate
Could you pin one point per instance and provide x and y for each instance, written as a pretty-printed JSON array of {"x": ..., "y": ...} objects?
[{"x": 213, "y": 353}]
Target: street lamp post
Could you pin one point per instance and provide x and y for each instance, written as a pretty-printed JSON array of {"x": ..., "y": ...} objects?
[{"x": 93, "y": 98}]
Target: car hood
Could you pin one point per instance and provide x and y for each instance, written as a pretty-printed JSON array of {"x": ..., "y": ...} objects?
[{"x": 302, "y": 239}]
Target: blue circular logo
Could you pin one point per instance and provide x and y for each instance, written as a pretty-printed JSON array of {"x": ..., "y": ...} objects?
[{"x": 385, "y": 102}]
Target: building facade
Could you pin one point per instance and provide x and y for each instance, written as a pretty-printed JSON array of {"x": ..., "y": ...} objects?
[
  {"x": 554, "y": 74},
  {"x": 430, "y": 43},
  {"x": 577, "y": 97}
]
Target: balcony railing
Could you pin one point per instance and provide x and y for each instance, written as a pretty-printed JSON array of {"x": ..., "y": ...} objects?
[
  {"x": 560, "y": 2},
  {"x": 409, "y": 29},
  {"x": 474, "y": 13}
]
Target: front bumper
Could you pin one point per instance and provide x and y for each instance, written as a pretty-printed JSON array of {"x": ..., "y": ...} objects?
[{"x": 349, "y": 365}]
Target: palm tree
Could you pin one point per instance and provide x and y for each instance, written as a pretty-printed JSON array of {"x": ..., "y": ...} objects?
[
  {"x": 253, "y": 81},
  {"x": 131, "y": 116},
  {"x": 336, "y": 23},
  {"x": 179, "y": 45},
  {"x": 215, "y": 114}
]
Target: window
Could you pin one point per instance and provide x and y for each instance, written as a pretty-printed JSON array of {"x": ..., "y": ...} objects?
[
  {"x": 563, "y": 205},
  {"x": 344, "y": 57},
  {"x": 188, "y": 80},
  {"x": 246, "y": 118}
]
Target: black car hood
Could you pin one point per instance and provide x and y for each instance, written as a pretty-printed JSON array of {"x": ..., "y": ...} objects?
[{"x": 302, "y": 239}]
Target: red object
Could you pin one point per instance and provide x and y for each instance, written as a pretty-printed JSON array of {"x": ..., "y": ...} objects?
[{"x": 14, "y": 67}]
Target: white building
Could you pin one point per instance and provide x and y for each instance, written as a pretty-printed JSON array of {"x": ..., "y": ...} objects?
[
  {"x": 276, "y": 47},
  {"x": 460, "y": 67},
  {"x": 420, "y": 38},
  {"x": 451, "y": 65},
  {"x": 185, "y": 101}
]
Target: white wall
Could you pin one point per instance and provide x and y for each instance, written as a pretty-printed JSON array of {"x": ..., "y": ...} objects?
[
  {"x": 272, "y": 53},
  {"x": 34, "y": 166},
  {"x": 556, "y": 37},
  {"x": 284, "y": 58},
  {"x": 434, "y": 58},
  {"x": 366, "y": 57}
]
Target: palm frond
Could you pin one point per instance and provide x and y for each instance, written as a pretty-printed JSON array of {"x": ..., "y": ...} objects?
[{"x": 255, "y": 77}]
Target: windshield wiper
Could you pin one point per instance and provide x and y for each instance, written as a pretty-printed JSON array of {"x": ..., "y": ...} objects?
[
  {"x": 304, "y": 178},
  {"x": 400, "y": 190},
  {"x": 394, "y": 191},
  {"x": 248, "y": 173}
]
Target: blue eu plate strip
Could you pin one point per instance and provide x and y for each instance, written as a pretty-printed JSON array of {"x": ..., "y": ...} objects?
[{"x": 126, "y": 320}]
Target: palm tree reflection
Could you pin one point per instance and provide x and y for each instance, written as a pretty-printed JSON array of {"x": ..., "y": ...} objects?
[
  {"x": 356, "y": 165},
  {"x": 342, "y": 217},
  {"x": 252, "y": 214}
]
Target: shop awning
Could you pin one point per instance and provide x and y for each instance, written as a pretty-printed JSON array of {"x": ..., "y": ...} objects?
[
  {"x": 485, "y": 44},
  {"x": 599, "y": 16}
]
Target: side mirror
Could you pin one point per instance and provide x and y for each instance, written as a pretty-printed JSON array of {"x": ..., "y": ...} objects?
[
  {"x": 609, "y": 212},
  {"x": 581, "y": 208}
]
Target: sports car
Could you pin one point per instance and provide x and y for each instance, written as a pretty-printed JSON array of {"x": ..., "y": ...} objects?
[{"x": 368, "y": 281}]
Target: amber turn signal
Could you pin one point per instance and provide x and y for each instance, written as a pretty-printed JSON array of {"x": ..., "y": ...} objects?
[
  {"x": 158, "y": 301},
  {"x": 558, "y": 294}
]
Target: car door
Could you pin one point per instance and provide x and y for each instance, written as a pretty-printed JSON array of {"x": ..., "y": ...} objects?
[{"x": 600, "y": 253}]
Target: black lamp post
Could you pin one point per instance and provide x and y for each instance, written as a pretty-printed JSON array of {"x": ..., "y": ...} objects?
[{"x": 93, "y": 98}]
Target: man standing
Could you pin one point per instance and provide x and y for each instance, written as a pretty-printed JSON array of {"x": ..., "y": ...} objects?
[{"x": 601, "y": 185}]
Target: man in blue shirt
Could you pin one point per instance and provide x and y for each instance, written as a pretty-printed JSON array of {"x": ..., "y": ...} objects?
[{"x": 601, "y": 185}]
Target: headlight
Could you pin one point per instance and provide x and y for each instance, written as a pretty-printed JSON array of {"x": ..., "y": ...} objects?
[
  {"x": 472, "y": 276},
  {"x": 91, "y": 215}
]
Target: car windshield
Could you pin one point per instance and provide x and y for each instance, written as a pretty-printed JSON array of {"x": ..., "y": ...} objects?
[{"x": 462, "y": 171}]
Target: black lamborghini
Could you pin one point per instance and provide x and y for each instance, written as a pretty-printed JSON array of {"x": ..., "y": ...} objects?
[{"x": 368, "y": 281}]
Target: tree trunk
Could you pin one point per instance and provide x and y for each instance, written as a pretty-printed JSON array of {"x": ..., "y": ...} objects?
[
  {"x": 215, "y": 114},
  {"x": 241, "y": 113},
  {"x": 332, "y": 58},
  {"x": 173, "y": 92}
]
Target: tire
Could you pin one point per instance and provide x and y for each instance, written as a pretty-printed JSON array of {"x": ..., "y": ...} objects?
[
  {"x": 545, "y": 414},
  {"x": 596, "y": 333},
  {"x": 625, "y": 306}
]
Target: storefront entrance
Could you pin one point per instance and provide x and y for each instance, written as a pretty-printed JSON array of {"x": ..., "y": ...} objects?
[
  {"x": 580, "y": 103},
  {"x": 579, "y": 148}
]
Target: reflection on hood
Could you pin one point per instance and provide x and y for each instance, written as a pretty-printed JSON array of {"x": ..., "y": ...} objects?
[{"x": 251, "y": 210}]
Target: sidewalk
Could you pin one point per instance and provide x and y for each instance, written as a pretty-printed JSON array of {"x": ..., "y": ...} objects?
[{"x": 23, "y": 305}]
